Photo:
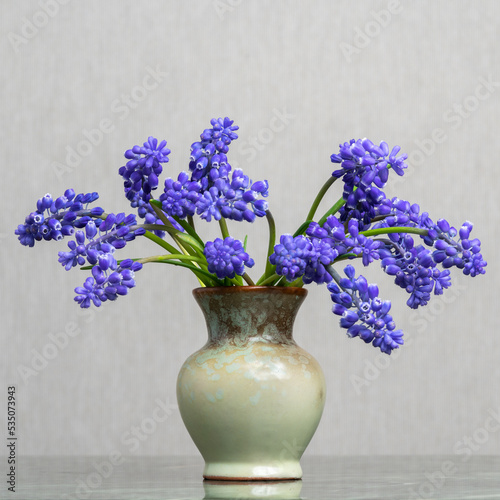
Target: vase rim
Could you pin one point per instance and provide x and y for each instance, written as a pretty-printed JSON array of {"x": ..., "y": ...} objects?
[{"x": 288, "y": 290}]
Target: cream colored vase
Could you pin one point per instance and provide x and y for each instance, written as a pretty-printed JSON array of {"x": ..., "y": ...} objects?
[{"x": 251, "y": 398}]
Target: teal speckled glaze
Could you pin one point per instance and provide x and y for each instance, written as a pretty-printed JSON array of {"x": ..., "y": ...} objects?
[{"x": 251, "y": 398}]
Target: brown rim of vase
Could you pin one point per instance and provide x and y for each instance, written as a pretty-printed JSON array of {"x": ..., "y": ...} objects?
[
  {"x": 243, "y": 481},
  {"x": 292, "y": 290}
]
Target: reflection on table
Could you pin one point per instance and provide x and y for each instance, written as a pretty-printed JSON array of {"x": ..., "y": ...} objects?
[{"x": 332, "y": 478}]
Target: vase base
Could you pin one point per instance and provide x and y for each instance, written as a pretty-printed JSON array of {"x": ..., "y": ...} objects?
[
  {"x": 218, "y": 490},
  {"x": 283, "y": 471}
]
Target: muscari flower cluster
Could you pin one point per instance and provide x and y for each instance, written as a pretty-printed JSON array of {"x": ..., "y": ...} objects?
[
  {"x": 364, "y": 171},
  {"x": 227, "y": 257},
  {"x": 368, "y": 226},
  {"x": 143, "y": 168},
  {"x": 213, "y": 191},
  {"x": 416, "y": 267},
  {"x": 140, "y": 175},
  {"x": 363, "y": 313},
  {"x": 96, "y": 238},
  {"x": 310, "y": 256},
  {"x": 54, "y": 219},
  {"x": 97, "y": 246}
]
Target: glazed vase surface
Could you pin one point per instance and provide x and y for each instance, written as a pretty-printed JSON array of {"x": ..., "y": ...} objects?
[{"x": 251, "y": 398}]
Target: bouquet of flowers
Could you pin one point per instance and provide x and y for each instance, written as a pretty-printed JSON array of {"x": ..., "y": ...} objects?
[{"x": 362, "y": 224}]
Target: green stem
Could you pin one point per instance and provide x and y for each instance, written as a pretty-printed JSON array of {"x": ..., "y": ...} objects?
[
  {"x": 281, "y": 282},
  {"x": 319, "y": 197},
  {"x": 314, "y": 207},
  {"x": 269, "y": 276},
  {"x": 272, "y": 241},
  {"x": 160, "y": 213},
  {"x": 160, "y": 227},
  {"x": 151, "y": 236},
  {"x": 156, "y": 205},
  {"x": 189, "y": 246},
  {"x": 204, "y": 277},
  {"x": 223, "y": 228},
  {"x": 302, "y": 228},
  {"x": 263, "y": 281},
  {"x": 190, "y": 230},
  {"x": 297, "y": 283},
  {"x": 401, "y": 229},
  {"x": 347, "y": 256},
  {"x": 192, "y": 242},
  {"x": 168, "y": 225},
  {"x": 248, "y": 279},
  {"x": 174, "y": 256},
  {"x": 334, "y": 209},
  {"x": 198, "y": 267}
]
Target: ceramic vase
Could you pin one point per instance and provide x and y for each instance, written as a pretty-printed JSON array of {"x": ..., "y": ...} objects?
[{"x": 251, "y": 398}]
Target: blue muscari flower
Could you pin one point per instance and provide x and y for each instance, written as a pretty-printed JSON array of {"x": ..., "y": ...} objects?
[
  {"x": 206, "y": 166},
  {"x": 76, "y": 255},
  {"x": 137, "y": 201},
  {"x": 55, "y": 219},
  {"x": 140, "y": 176},
  {"x": 141, "y": 172},
  {"x": 104, "y": 285},
  {"x": 208, "y": 157},
  {"x": 323, "y": 248},
  {"x": 179, "y": 197},
  {"x": 291, "y": 256},
  {"x": 111, "y": 233},
  {"x": 235, "y": 199},
  {"x": 463, "y": 253},
  {"x": 363, "y": 313},
  {"x": 222, "y": 133},
  {"x": 227, "y": 258},
  {"x": 368, "y": 249},
  {"x": 321, "y": 254},
  {"x": 412, "y": 265},
  {"x": 414, "y": 268},
  {"x": 415, "y": 272},
  {"x": 332, "y": 229},
  {"x": 359, "y": 245},
  {"x": 241, "y": 197},
  {"x": 209, "y": 204},
  {"x": 368, "y": 161},
  {"x": 97, "y": 244},
  {"x": 364, "y": 170},
  {"x": 449, "y": 250},
  {"x": 333, "y": 234}
]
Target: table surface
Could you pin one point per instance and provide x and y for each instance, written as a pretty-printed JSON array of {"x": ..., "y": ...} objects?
[{"x": 176, "y": 478}]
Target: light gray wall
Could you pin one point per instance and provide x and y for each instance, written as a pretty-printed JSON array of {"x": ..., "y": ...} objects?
[{"x": 404, "y": 72}]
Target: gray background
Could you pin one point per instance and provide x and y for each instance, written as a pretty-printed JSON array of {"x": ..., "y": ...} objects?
[{"x": 407, "y": 73}]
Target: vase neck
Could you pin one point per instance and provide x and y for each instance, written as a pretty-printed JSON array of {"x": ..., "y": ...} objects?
[{"x": 244, "y": 314}]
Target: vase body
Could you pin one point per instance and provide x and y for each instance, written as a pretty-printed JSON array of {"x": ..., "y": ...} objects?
[{"x": 251, "y": 398}]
